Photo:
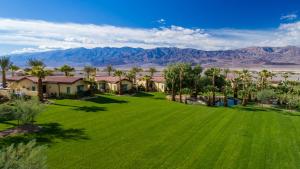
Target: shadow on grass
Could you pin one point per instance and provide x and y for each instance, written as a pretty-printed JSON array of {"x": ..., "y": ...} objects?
[
  {"x": 90, "y": 108},
  {"x": 106, "y": 100},
  {"x": 49, "y": 133},
  {"x": 143, "y": 94}
]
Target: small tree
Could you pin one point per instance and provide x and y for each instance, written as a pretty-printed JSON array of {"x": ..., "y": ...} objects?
[
  {"x": 109, "y": 69},
  {"x": 66, "y": 69},
  {"x": 152, "y": 70},
  {"x": 38, "y": 70},
  {"x": 23, "y": 156},
  {"x": 13, "y": 68},
  {"x": 265, "y": 95},
  {"x": 4, "y": 64},
  {"x": 26, "y": 111},
  {"x": 89, "y": 70},
  {"x": 119, "y": 74}
]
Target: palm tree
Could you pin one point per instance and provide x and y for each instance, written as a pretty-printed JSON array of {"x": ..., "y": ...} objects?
[
  {"x": 39, "y": 71},
  {"x": 35, "y": 62},
  {"x": 66, "y": 69},
  {"x": 213, "y": 73},
  {"x": 4, "y": 64},
  {"x": 13, "y": 68},
  {"x": 235, "y": 83},
  {"x": 245, "y": 77},
  {"x": 226, "y": 87},
  {"x": 119, "y": 73},
  {"x": 109, "y": 69},
  {"x": 171, "y": 76},
  {"x": 152, "y": 70},
  {"x": 147, "y": 79},
  {"x": 182, "y": 71},
  {"x": 89, "y": 70},
  {"x": 134, "y": 71},
  {"x": 263, "y": 78},
  {"x": 196, "y": 75}
]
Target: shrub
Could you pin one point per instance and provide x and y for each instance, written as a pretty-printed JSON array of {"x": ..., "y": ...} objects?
[
  {"x": 265, "y": 95},
  {"x": 26, "y": 111},
  {"x": 23, "y": 156}
]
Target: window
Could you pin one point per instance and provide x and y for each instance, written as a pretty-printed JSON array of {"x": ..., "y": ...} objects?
[
  {"x": 80, "y": 88},
  {"x": 68, "y": 90},
  {"x": 33, "y": 88},
  {"x": 124, "y": 87}
]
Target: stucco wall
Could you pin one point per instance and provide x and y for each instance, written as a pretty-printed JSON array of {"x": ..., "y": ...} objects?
[
  {"x": 26, "y": 85},
  {"x": 160, "y": 87},
  {"x": 22, "y": 85},
  {"x": 62, "y": 88},
  {"x": 114, "y": 86}
]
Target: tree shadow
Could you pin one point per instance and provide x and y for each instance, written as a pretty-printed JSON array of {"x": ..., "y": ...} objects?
[
  {"x": 90, "y": 108},
  {"x": 252, "y": 109},
  {"x": 106, "y": 100},
  {"x": 143, "y": 94},
  {"x": 48, "y": 134}
]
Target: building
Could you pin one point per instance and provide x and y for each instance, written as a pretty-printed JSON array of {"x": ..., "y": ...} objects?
[
  {"x": 111, "y": 84},
  {"x": 52, "y": 85},
  {"x": 156, "y": 83}
]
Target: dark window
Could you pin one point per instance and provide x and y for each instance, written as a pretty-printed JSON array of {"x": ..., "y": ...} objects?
[{"x": 68, "y": 90}]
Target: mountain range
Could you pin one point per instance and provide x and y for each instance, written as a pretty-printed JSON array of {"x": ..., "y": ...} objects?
[{"x": 126, "y": 56}]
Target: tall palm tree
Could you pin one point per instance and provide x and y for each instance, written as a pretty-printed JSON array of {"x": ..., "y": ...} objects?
[
  {"x": 147, "y": 79},
  {"x": 226, "y": 87},
  {"x": 213, "y": 73},
  {"x": 89, "y": 70},
  {"x": 66, "y": 69},
  {"x": 4, "y": 64},
  {"x": 13, "y": 68},
  {"x": 235, "y": 83},
  {"x": 119, "y": 73},
  {"x": 35, "y": 62},
  {"x": 196, "y": 75},
  {"x": 171, "y": 76},
  {"x": 246, "y": 78},
  {"x": 264, "y": 75},
  {"x": 152, "y": 70},
  {"x": 39, "y": 71},
  {"x": 135, "y": 71},
  {"x": 182, "y": 73},
  {"x": 109, "y": 69}
]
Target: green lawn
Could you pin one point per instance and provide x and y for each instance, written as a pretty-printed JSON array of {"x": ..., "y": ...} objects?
[{"x": 118, "y": 132}]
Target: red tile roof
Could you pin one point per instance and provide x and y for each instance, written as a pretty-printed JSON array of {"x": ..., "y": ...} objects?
[
  {"x": 158, "y": 79},
  {"x": 110, "y": 79},
  {"x": 48, "y": 79}
]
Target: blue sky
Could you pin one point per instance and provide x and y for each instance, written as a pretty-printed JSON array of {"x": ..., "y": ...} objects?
[{"x": 210, "y": 24}]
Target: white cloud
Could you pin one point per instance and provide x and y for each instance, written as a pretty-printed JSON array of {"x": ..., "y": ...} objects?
[
  {"x": 289, "y": 17},
  {"x": 43, "y": 36}
]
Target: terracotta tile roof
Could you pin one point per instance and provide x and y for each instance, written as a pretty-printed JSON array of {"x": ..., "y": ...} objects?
[
  {"x": 48, "y": 79},
  {"x": 159, "y": 79},
  {"x": 15, "y": 78},
  {"x": 110, "y": 79}
]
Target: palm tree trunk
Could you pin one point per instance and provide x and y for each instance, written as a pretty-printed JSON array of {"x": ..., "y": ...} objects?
[
  {"x": 147, "y": 85},
  {"x": 40, "y": 89},
  {"x": 213, "y": 91},
  {"x": 225, "y": 100},
  {"x": 120, "y": 86},
  {"x": 173, "y": 90},
  {"x": 180, "y": 88},
  {"x": 3, "y": 78}
]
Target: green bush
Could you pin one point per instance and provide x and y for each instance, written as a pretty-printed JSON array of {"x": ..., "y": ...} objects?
[
  {"x": 23, "y": 156},
  {"x": 26, "y": 111}
]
